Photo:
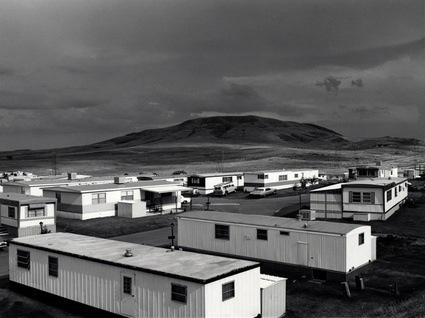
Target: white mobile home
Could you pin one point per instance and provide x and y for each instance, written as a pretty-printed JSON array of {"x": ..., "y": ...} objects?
[
  {"x": 136, "y": 280},
  {"x": 377, "y": 171},
  {"x": 36, "y": 186},
  {"x": 362, "y": 200},
  {"x": 102, "y": 200},
  {"x": 323, "y": 250},
  {"x": 278, "y": 179},
  {"x": 23, "y": 215},
  {"x": 204, "y": 183}
]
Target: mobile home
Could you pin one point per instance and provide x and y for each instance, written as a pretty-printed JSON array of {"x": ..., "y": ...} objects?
[
  {"x": 24, "y": 215},
  {"x": 137, "y": 280},
  {"x": 102, "y": 200},
  {"x": 318, "y": 249},
  {"x": 277, "y": 179},
  {"x": 204, "y": 183},
  {"x": 362, "y": 200}
]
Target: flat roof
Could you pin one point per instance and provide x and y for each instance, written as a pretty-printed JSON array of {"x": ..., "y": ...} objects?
[
  {"x": 24, "y": 198},
  {"x": 184, "y": 265},
  {"x": 331, "y": 187},
  {"x": 146, "y": 185},
  {"x": 216, "y": 174},
  {"x": 279, "y": 170},
  {"x": 378, "y": 182},
  {"x": 63, "y": 180},
  {"x": 272, "y": 221}
]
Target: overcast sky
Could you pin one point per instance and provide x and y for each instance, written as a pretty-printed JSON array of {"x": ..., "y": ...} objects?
[{"x": 81, "y": 71}]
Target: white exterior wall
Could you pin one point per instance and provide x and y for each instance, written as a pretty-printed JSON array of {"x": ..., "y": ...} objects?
[
  {"x": 273, "y": 297},
  {"x": 246, "y": 302},
  {"x": 359, "y": 254},
  {"x": 99, "y": 285},
  {"x": 326, "y": 205},
  {"x": 132, "y": 209},
  {"x": 252, "y": 181},
  {"x": 316, "y": 250}
]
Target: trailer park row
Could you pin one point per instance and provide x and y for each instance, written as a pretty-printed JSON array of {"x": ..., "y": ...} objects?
[{"x": 225, "y": 265}]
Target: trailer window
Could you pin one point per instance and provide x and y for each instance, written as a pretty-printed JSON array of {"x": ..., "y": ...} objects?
[
  {"x": 127, "y": 195},
  {"x": 24, "y": 259},
  {"x": 228, "y": 290},
  {"x": 222, "y": 232},
  {"x": 361, "y": 238},
  {"x": 97, "y": 198},
  {"x": 179, "y": 293},
  {"x": 284, "y": 233},
  {"x": 227, "y": 179},
  {"x": 389, "y": 195},
  {"x": 11, "y": 212},
  {"x": 53, "y": 266},
  {"x": 261, "y": 234},
  {"x": 127, "y": 285},
  {"x": 283, "y": 177}
]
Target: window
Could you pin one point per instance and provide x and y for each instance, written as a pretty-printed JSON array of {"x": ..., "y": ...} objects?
[
  {"x": 24, "y": 259},
  {"x": 261, "y": 234},
  {"x": 284, "y": 233},
  {"x": 263, "y": 176},
  {"x": 395, "y": 191},
  {"x": 389, "y": 195},
  {"x": 58, "y": 196},
  {"x": 227, "y": 179},
  {"x": 127, "y": 195},
  {"x": 368, "y": 197},
  {"x": 239, "y": 177},
  {"x": 97, "y": 198},
  {"x": 53, "y": 266},
  {"x": 399, "y": 188},
  {"x": 127, "y": 285},
  {"x": 283, "y": 177},
  {"x": 196, "y": 180},
  {"x": 35, "y": 212},
  {"x": 11, "y": 212},
  {"x": 222, "y": 232},
  {"x": 296, "y": 175},
  {"x": 228, "y": 290},
  {"x": 179, "y": 293},
  {"x": 361, "y": 238},
  {"x": 357, "y": 197}
]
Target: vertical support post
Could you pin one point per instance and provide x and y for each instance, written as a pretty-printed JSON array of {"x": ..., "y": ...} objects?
[{"x": 346, "y": 289}]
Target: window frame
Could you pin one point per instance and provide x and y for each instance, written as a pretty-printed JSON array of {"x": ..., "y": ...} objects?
[
  {"x": 222, "y": 232},
  {"x": 262, "y": 234},
  {"x": 228, "y": 290},
  {"x": 177, "y": 295},
  {"x": 23, "y": 259},
  {"x": 127, "y": 195},
  {"x": 389, "y": 195},
  {"x": 53, "y": 266},
  {"x": 127, "y": 285},
  {"x": 35, "y": 212},
  {"x": 361, "y": 239},
  {"x": 11, "y": 212},
  {"x": 98, "y": 198},
  {"x": 283, "y": 177},
  {"x": 227, "y": 179}
]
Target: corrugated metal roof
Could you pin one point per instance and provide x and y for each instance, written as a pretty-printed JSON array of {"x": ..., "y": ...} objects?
[
  {"x": 113, "y": 186},
  {"x": 25, "y": 199},
  {"x": 192, "y": 266},
  {"x": 272, "y": 221}
]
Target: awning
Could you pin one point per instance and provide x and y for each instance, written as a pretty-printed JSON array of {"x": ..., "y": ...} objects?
[
  {"x": 165, "y": 189},
  {"x": 37, "y": 205}
]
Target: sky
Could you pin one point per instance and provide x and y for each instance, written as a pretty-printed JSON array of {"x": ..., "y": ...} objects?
[{"x": 82, "y": 71}]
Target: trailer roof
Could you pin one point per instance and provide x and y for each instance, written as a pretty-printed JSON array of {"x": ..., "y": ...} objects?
[
  {"x": 159, "y": 186},
  {"x": 273, "y": 221},
  {"x": 216, "y": 174},
  {"x": 183, "y": 265},
  {"x": 25, "y": 199}
]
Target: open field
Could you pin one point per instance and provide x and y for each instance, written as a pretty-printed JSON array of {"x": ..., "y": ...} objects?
[{"x": 165, "y": 160}]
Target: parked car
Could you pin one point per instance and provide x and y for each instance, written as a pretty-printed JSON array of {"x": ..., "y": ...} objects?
[
  {"x": 185, "y": 199},
  {"x": 262, "y": 192},
  {"x": 3, "y": 243}
]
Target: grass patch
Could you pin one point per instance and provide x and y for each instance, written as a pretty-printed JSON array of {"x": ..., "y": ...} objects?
[{"x": 114, "y": 226}]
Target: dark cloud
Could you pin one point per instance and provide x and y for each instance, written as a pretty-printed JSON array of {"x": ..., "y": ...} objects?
[
  {"x": 357, "y": 83},
  {"x": 331, "y": 84}
]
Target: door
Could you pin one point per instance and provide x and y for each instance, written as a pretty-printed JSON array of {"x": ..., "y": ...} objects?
[
  {"x": 127, "y": 294},
  {"x": 303, "y": 253}
]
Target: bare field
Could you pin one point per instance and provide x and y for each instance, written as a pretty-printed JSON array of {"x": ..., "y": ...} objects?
[{"x": 213, "y": 158}]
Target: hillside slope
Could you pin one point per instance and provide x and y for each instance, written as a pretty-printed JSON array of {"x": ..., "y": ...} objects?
[{"x": 229, "y": 130}]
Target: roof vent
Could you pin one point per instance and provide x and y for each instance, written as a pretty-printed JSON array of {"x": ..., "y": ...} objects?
[{"x": 128, "y": 253}]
